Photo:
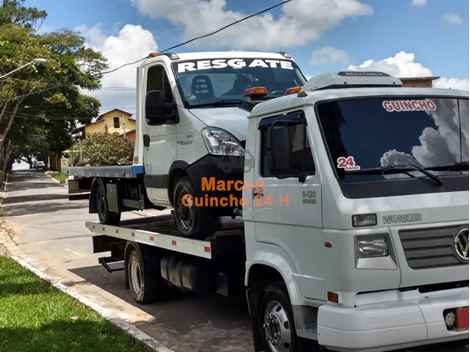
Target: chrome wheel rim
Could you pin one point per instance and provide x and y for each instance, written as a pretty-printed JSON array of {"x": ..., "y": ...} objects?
[
  {"x": 100, "y": 205},
  {"x": 135, "y": 276},
  {"x": 277, "y": 328},
  {"x": 186, "y": 215}
]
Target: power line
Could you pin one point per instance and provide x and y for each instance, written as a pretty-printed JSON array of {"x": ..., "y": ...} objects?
[
  {"x": 227, "y": 26},
  {"x": 124, "y": 65},
  {"x": 204, "y": 35}
]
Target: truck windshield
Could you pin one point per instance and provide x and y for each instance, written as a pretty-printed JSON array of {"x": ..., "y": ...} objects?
[
  {"x": 222, "y": 82},
  {"x": 383, "y": 140}
]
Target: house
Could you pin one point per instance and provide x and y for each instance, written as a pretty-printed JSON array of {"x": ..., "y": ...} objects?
[
  {"x": 418, "y": 82},
  {"x": 114, "y": 121}
]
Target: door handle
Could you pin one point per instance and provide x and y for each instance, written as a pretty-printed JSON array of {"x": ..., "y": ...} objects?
[
  {"x": 146, "y": 140},
  {"x": 257, "y": 194}
]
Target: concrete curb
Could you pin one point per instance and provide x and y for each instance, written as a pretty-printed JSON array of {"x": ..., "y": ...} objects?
[
  {"x": 121, "y": 323},
  {"x": 4, "y": 190},
  {"x": 48, "y": 174}
]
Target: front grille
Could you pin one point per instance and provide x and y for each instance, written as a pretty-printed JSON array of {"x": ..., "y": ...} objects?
[{"x": 431, "y": 247}]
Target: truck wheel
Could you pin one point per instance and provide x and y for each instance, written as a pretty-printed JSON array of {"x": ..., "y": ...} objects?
[
  {"x": 143, "y": 275},
  {"x": 275, "y": 323},
  {"x": 105, "y": 216},
  {"x": 191, "y": 221}
]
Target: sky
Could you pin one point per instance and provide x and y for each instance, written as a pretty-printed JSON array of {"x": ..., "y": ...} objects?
[{"x": 400, "y": 37}]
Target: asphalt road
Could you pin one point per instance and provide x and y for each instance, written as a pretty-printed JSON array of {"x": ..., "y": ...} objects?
[{"x": 48, "y": 231}]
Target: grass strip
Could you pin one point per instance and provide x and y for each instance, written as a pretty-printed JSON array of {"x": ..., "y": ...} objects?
[
  {"x": 34, "y": 316},
  {"x": 59, "y": 176}
]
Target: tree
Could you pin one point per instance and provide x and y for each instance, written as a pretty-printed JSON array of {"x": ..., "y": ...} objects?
[
  {"x": 40, "y": 105},
  {"x": 102, "y": 149}
]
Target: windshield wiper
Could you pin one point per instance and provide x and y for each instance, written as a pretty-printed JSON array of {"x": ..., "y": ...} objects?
[
  {"x": 387, "y": 170},
  {"x": 222, "y": 102},
  {"x": 459, "y": 166}
]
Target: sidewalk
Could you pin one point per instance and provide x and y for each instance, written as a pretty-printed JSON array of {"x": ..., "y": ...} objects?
[{"x": 49, "y": 234}]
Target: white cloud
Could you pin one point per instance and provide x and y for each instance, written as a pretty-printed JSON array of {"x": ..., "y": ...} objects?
[
  {"x": 419, "y": 2},
  {"x": 437, "y": 146},
  {"x": 300, "y": 21},
  {"x": 328, "y": 55},
  {"x": 451, "y": 83},
  {"x": 452, "y": 18},
  {"x": 403, "y": 65},
  {"x": 130, "y": 44}
]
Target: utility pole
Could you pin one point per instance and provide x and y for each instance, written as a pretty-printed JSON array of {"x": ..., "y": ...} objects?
[{"x": 123, "y": 123}]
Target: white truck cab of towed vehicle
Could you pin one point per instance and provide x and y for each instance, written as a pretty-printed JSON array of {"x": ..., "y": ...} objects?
[
  {"x": 194, "y": 109},
  {"x": 356, "y": 227}
]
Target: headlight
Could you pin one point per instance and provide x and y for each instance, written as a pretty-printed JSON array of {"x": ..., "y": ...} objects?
[
  {"x": 372, "y": 246},
  {"x": 220, "y": 142}
]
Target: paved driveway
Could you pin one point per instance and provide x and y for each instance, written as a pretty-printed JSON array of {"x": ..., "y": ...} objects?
[{"x": 48, "y": 232}]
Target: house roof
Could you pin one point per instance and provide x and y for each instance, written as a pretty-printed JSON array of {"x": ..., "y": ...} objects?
[{"x": 107, "y": 112}]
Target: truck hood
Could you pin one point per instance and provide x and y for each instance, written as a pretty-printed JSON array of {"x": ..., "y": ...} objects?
[{"x": 231, "y": 119}]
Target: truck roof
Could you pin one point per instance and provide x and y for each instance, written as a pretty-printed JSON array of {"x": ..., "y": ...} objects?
[
  {"x": 294, "y": 101},
  {"x": 220, "y": 54}
]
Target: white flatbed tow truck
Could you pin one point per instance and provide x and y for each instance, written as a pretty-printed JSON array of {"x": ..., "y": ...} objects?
[{"x": 355, "y": 222}]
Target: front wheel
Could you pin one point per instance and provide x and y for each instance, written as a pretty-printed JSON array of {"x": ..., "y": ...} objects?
[
  {"x": 275, "y": 323},
  {"x": 192, "y": 221}
]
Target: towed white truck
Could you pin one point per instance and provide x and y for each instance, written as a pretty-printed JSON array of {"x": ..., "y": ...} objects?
[
  {"x": 355, "y": 221},
  {"x": 191, "y": 122}
]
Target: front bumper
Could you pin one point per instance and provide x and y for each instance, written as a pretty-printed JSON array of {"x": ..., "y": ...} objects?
[{"x": 406, "y": 322}]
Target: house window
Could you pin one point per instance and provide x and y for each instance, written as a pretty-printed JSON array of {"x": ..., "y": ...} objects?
[
  {"x": 116, "y": 122},
  {"x": 284, "y": 141}
]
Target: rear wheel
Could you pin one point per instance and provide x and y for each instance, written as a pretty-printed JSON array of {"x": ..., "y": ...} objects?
[
  {"x": 105, "y": 216},
  {"x": 192, "y": 221},
  {"x": 143, "y": 275}
]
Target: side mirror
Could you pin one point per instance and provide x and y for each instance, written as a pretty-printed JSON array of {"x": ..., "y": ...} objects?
[
  {"x": 156, "y": 110},
  {"x": 281, "y": 147}
]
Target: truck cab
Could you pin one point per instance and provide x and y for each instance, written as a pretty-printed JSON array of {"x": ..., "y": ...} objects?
[
  {"x": 356, "y": 216},
  {"x": 192, "y": 114}
]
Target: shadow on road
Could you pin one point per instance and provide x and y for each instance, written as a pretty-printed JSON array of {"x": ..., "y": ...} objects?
[
  {"x": 29, "y": 179},
  {"x": 201, "y": 308},
  {"x": 23, "y": 186},
  {"x": 28, "y": 209},
  {"x": 33, "y": 198}
]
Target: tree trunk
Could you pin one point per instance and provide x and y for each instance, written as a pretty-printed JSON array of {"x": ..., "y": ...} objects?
[
  {"x": 12, "y": 118},
  {"x": 4, "y": 108},
  {"x": 6, "y": 159}
]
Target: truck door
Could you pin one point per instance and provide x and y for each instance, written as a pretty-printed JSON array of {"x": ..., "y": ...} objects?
[
  {"x": 286, "y": 197},
  {"x": 159, "y": 138}
]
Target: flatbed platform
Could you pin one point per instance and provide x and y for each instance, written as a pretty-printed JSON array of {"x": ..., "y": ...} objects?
[
  {"x": 160, "y": 231},
  {"x": 121, "y": 171}
]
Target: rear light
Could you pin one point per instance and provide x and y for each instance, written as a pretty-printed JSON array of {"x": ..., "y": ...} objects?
[{"x": 154, "y": 54}]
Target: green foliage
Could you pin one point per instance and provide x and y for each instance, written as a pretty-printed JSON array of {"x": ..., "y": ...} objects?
[
  {"x": 40, "y": 104},
  {"x": 34, "y": 316},
  {"x": 102, "y": 149},
  {"x": 13, "y": 12},
  {"x": 59, "y": 176}
]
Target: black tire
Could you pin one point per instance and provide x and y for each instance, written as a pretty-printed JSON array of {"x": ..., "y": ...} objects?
[
  {"x": 143, "y": 275},
  {"x": 105, "y": 216},
  {"x": 191, "y": 221},
  {"x": 275, "y": 320}
]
